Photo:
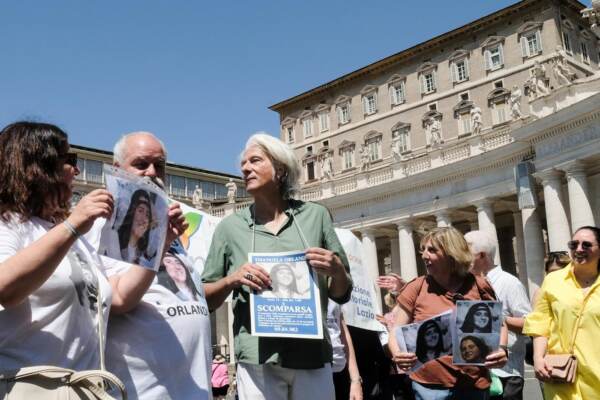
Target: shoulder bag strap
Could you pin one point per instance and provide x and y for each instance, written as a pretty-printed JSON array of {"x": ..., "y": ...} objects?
[{"x": 578, "y": 322}]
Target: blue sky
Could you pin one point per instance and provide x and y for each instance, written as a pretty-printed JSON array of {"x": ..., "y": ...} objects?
[{"x": 200, "y": 74}]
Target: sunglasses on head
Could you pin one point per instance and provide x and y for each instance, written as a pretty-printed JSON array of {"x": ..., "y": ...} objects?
[
  {"x": 573, "y": 244},
  {"x": 70, "y": 159}
]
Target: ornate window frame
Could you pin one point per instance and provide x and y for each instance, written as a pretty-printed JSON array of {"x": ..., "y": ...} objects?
[
  {"x": 462, "y": 113},
  {"x": 397, "y": 84},
  {"x": 402, "y": 129},
  {"x": 322, "y": 112},
  {"x": 530, "y": 32},
  {"x": 341, "y": 103},
  {"x": 498, "y": 104},
  {"x": 287, "y": 127},
  {"x": 369, "y": 100},
  {"x": 373, "y": 143},
  {"x": 456, "y": 59},
  {"x": 423, "y": 72},
  {"x": 347, "y": 148},
  {"x": 490, "y": 44}
]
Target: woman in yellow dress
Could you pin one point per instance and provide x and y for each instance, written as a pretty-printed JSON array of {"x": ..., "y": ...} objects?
[{"x": 563, "y": 295}]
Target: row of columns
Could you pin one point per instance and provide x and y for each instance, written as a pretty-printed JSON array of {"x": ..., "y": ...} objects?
[
  {"x": 530, "y": 247},
  {"x": 580, "y": 209}
]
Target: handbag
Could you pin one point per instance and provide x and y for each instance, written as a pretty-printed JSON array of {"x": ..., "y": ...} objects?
[
  {"x": 564, "y": 366},
  {"x": 57, "y": 383}
]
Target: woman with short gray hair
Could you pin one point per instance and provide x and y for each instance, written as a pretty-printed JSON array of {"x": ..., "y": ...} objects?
[{"x": 276, "y": 367}]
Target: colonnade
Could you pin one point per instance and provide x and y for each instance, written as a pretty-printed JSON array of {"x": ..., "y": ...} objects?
[{"x": 564, "y": 213}]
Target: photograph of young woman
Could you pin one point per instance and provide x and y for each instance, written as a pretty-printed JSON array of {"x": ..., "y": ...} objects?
[
  {"x": 478, "y": 319},
  {"x": 430, "y": 341},
  {"x": 175, "y": 276},
  {"x": 134, "y": 232}
]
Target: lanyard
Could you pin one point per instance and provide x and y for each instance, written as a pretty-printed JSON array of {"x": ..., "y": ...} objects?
[{"x": 294, "y": 223}]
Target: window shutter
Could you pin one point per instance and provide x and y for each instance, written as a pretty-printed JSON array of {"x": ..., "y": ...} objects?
[
  {"x": 434, "y": 79},
  {"x": 454, "y": 72},
  {"x": 422, "y": 77},
  {"x": 538, "y": 38},
  {"x": 466, "y": 60},
  {"x": 495, "y": 115},
  {"x": 488, "y": 60},
  {"x": 501, "y": 54},
  {"x": 524, "y": 52},
  {"x": 365, "y": 105}
]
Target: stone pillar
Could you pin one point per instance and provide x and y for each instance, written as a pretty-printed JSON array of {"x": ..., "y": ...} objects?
[
  {"x": 370, "y": 257},
  {"x": 443, "y": 218},
  {"x": 556, "y": 215},
  {"x": 520, "y": 249},
  {"x": 534, "y": 248},
  {"x": 406, "y": 245},
  {"x": 487, "y": 223},
  {"x": 395, "y": 254},
  {"x": 579, "y": 203}
]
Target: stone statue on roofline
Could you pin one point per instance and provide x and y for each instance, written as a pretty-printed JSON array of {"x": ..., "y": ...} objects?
[
  {"x": 433, "y": 132},
  {"x": 593, "y": 15},
  {"x": 514, "y": 102},
  {"x": 536, "y": 83},
  {"x": 326, "y": 166},
  {"x": 563, "y": 74},
  {"x": 231, "y": 190},
  {"x": 365, "y": 159},
  {"x": 197, "y": 197},
  {"x": 396, "y": 146},
  {"x": 476, "y": 120}
]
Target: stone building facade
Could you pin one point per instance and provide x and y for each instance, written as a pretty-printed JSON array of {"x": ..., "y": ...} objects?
[
  {"x": 181, "y": 183},
  {"x": 493, "y": 125}
]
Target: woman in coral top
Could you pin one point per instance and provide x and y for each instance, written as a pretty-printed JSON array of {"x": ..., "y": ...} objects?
[{"x": 447, "y": 259}]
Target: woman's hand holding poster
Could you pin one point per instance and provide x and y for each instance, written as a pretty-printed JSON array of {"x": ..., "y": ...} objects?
[
  {"x": 137, "y": 228},
  {"x": 292, "y": 306}
]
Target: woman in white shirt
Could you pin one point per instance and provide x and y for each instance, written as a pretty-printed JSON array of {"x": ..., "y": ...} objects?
[{"x": 51, "y": 280}]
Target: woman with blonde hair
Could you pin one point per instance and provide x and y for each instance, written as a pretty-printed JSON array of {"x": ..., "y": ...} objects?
[{"x": 447, "y": 258}]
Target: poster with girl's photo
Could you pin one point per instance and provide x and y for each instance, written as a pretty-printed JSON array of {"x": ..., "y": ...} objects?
[
  {"x": 478, "y": 325},
  {"x": 428, "y": 339},
  {"x": 291, "y": 307},
  {"x": 137, "y": 228}
]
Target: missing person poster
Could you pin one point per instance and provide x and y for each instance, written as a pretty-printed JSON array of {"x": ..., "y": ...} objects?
[
  {"x": 478, "y": 325},
  {"x": 428, "y": 339},
  {"x": 292, "y": 306},
  {"x": 137, "y": 229}
]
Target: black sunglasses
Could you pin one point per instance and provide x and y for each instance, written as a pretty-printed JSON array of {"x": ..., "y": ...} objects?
[
  {"x": 573, "y": 244},
  {"x": 71, "y": 159}
]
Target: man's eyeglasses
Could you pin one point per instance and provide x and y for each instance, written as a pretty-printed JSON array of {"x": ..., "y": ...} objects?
[
  {"x": 71, "y": 159},
  {"x": 573, "y": 244},
  {"x": 557, "y": 255}
]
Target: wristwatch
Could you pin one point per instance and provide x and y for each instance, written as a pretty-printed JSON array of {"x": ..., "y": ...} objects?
[
  {"x": 357, "y": 380},
  {"x": 505, "y": 348}
]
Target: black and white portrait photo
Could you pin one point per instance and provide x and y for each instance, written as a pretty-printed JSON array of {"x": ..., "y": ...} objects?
[
  {"x": 429, "y": 339},
  {"x": 478, "y": 316},
  {"x": 478, "y": 325},
  {"x": 290, "y": 280}
]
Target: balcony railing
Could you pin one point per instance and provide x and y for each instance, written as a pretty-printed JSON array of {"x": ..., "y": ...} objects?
[{"x": 390, "y": 169}]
